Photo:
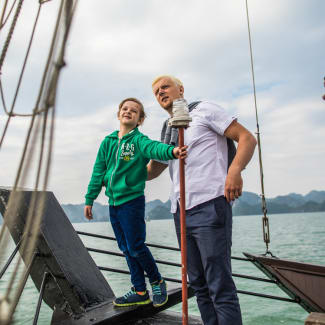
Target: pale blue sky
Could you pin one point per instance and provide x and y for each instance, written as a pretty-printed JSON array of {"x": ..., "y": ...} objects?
[{"x": 115, "y": 50}]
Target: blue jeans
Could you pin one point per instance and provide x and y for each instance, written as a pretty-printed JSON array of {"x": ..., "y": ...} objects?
[
  {"x": 129, "y": 228},
  {"x": 208, "y": 235}
]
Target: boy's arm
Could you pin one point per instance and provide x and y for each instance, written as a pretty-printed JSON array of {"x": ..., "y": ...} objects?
[
  {"x": 97, "y": 177},
  {"x": 157, "y": 150}
]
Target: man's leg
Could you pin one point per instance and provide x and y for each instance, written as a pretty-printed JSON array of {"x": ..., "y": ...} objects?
[
  {"x": 214, "y": 243},
  {"x": 195, "y": 272}
]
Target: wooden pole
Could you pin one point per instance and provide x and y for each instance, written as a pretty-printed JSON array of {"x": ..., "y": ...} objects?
[{"x": 183, "y": 229}]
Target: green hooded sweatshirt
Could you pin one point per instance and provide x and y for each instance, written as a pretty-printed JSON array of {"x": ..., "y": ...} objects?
[{"x": 121, "y": 166}]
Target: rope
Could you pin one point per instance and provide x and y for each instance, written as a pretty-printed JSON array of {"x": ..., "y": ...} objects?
[
  {"x": 265, "y": 220},
  {"x": 41, "y": 126},
  {"x": 3, "y": 13},
  {"x": 11, "y": 31},
  {"x": 11, "y": 113}
]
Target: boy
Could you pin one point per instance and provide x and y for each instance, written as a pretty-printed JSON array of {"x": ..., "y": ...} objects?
[{"x": 121, "y": 166}]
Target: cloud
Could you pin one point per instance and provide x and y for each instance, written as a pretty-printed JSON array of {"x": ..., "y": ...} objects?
[{"x": 116, "y": 49}]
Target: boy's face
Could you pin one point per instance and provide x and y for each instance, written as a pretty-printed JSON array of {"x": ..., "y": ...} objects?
[{"x": 129, "y": 114}]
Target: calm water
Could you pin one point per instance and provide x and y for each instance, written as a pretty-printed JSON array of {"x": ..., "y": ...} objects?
[{"x": 298, "y": 237}]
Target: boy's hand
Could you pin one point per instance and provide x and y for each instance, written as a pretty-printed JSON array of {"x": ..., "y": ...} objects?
[
  {"x": 180, "y": 153},
  {"x": 88, "y": 212}
]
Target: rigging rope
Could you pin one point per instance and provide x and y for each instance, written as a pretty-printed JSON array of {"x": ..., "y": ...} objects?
[
  {"x": 3, "y": 13},
  {"x": 45, "y": 102},
  {"x": 11, "y": 31},
  {"x": 11, "y": 112},
  {"x": 2, "y": 23},
  {"x": 265, "y": 220}
]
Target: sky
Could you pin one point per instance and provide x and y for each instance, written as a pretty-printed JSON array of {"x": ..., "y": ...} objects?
[{"x": 115, "y": 50}]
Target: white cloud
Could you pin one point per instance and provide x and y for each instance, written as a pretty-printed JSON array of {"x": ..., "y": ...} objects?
[{"x": 115, "y": 50}]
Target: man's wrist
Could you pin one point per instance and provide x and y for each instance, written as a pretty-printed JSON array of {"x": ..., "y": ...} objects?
[{"x": 233, "y": 169}]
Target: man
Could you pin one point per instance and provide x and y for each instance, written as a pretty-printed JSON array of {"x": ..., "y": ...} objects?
[{"x": 209, "y": 190}]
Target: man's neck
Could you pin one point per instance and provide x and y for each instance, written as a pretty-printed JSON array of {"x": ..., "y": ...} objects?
[{"x": 169, "y": 111}]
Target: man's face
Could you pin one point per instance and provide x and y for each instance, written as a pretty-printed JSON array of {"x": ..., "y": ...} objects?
[{"x": 166, "y": 90}]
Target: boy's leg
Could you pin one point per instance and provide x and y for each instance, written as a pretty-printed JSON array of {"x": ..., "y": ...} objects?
[
  {"x": 136, "y": 270},
  {"x": 133, "y": 224},
  {"x": 131, "y": 217}
]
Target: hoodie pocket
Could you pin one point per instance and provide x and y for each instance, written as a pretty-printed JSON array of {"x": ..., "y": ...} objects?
[{"x": 133, "y": 182}]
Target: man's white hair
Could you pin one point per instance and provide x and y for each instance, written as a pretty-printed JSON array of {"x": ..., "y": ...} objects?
[{"x": 174, "y": 79}]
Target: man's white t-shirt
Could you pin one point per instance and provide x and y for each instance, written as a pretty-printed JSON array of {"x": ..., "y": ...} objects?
[{"x": 207, "y": 159}]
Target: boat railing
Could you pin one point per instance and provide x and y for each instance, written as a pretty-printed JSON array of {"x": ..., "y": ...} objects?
[
  {"x": 237, "y": 275},
  {"x": 47, "y": 275}
]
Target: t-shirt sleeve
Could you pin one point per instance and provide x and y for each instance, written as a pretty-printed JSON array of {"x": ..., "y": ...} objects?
[{"x": 215, "y": 117}]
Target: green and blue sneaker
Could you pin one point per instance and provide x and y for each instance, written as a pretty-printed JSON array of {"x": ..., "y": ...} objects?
[
  {"x": 132, "y": 298},
  {"x": 159, "y": 293}
]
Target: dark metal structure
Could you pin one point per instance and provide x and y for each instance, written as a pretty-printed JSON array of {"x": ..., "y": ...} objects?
[
  {"x": 305, "y": 283},
  {"x": 66, "y": 275}
]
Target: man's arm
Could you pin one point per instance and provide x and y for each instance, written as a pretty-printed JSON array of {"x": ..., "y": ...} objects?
[
  {"x": 245, "y": 149},
  {"x": 154, "y": 169}
]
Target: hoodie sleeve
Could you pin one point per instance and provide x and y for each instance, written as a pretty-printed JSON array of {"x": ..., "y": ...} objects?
[
  {"x": 154, "y": 149},
  {"x": 97, "y": 177}
]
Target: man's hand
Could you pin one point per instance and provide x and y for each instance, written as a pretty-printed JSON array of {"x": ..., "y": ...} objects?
[
  {"x": 234, "y": 185},
  {"x": 180, "y": 152},
  {"x": 88, "y": 212}
]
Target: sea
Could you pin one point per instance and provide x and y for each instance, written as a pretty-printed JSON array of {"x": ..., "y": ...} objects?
[{"x": 299, "y": 237}]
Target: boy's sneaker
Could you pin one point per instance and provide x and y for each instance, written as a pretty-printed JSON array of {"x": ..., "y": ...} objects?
[
  {"x": 132, "y": 298},
  {"x": 159, "y": 293}
]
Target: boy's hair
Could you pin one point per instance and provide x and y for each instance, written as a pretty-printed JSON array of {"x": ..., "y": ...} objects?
[
  {"x": 132, "y": 99},
  {"x": 176, "y": 80}
]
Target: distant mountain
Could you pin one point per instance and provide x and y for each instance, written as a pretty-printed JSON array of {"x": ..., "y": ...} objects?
[
  {"x": 152, "y": 205},
  {"x": 159, "y": 212},
  {"x": 250, "y": 198},
  {"x": 248, "y": 204},
  {"x": 75, "y": 212},
  {"x": 154, "y": 210},
  {"x": 316, "y": 196},
  {"x": 292, "y": 200}
]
